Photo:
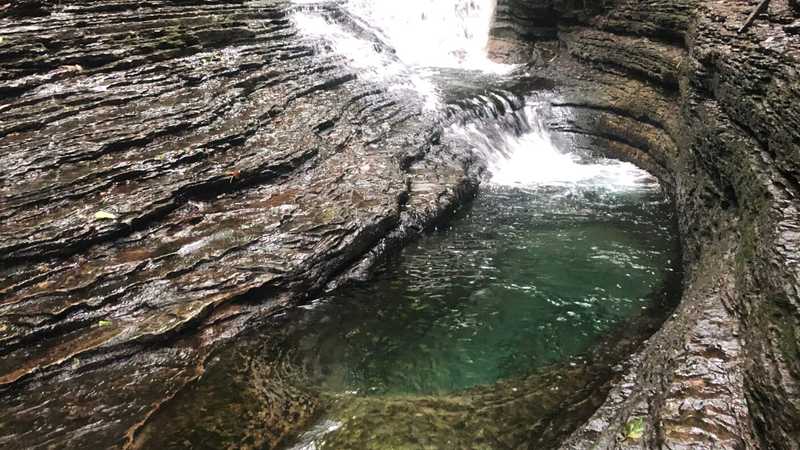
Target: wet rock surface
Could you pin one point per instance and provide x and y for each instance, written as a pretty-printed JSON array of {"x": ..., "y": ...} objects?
[
  {"x": 714, "y": 113},
  {"x": 174, "y": 171}
]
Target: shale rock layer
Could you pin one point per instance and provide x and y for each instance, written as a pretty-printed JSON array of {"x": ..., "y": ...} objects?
[
  {"x": 173, "y": 171},
  {"x": 674, "y": 87}
]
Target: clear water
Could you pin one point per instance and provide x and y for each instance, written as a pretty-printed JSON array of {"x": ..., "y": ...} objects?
[{"x": 555, "y": 254}]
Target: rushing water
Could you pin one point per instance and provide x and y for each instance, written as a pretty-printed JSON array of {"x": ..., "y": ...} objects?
[
  {"x": 429, "y": 33},
  {"x": 419, "y": 33},
  {"x": 402, "y": 45}
]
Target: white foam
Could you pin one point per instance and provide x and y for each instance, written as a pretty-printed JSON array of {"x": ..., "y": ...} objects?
[
  {"x": 433, "y": 33},
  {"x": 532, "y": 159},
  {"x": 369, "y": 62}
]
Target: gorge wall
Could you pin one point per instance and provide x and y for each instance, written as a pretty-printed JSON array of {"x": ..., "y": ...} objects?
[{"x": 715, "y": 114}]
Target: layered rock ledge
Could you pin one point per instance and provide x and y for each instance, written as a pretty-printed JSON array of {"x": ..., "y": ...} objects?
[
  {"x": 672, "y": 86},
  {"x": 172, "y": 172}
]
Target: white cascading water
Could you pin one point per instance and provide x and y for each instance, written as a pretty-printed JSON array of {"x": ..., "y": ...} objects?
[
  {"x": 534, "y": 160},
  {"x": 370, "y": 62},
  {"x": 426, "y": 35},
  {"x": 531, "y": 159},
  {"x": 433, "y": 33},
  {"x": 423, "y": 35}
]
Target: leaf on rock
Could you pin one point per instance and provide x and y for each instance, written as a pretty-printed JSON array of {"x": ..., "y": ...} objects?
[
  {"x": 634, "y": 429},
  {"x": 104, "y": 215},
  {"x": 104, "y": 323}
]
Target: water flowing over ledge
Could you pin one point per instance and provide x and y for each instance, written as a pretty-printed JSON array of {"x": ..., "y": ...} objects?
[
  {"x": 402, "y": 45},
  {"x": 525, "y": 155}
]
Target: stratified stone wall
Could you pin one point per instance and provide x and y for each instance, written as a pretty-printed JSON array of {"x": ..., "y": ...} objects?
[
  {"x": 534, "y": 19},
  {"x": 672, "y": 86},
  {"x": 172, "y": 171}
]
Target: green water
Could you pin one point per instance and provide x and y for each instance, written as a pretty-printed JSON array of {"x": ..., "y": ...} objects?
[
  {"x": 501, "y": 331},
  {"x": 528, "y": 277}
]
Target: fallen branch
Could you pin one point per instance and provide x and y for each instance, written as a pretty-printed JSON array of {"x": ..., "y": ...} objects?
[{"x": 759, "y": 9}]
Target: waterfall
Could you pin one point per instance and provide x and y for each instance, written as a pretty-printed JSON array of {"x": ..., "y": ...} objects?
[
  {"x": 420, "y": 33},
  {"x": 402, "y": 44},
  {"x": 521, "y": 153},
  {"x": 433, "y": 33}
]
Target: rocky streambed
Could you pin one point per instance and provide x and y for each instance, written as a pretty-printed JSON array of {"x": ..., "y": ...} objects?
[{"x": 179, "y": 174}]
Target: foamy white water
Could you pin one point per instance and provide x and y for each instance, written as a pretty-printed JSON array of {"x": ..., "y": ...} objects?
[
  {"x": 434, "y": 33},
  {"x": 531, "y": 159},
  {"x": 416, "y": 36},
  {"x": 371, "y": 61},
  {"x": 534, "y": 161}
]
